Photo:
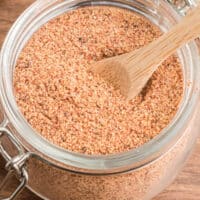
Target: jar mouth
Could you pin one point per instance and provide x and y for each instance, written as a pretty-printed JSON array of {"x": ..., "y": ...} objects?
[{"x": 42, "y": 11}]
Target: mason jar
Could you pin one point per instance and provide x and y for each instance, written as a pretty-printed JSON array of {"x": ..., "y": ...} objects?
[{"x": 57, "y": 174}]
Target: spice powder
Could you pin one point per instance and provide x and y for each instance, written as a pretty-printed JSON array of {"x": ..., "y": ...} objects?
[{"x": 79, "y": 111}]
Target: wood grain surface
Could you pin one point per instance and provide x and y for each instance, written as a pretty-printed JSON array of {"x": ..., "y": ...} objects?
[{"x": 187, "y": 184}]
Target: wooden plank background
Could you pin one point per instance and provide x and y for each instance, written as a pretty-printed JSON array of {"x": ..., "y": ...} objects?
[{"x": 187, "y": 184}]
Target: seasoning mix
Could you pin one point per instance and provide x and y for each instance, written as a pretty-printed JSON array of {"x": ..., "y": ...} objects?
[{"x": 79, "y": 111}]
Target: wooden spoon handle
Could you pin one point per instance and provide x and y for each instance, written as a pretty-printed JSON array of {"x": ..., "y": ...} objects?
[
  {"x": 155, "y": 53},
  {"x": 130, "y": 72}
]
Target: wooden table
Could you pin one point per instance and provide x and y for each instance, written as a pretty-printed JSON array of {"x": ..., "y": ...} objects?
[{"x": 187, "y": 184}]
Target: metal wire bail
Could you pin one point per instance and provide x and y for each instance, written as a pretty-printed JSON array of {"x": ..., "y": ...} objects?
[
  {"x": 182, "y": 5},
  {"x": 14, "y": 165}
]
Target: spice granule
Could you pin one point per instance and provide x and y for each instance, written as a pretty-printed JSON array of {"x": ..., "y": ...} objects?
[{"x": 78, "y": 111}]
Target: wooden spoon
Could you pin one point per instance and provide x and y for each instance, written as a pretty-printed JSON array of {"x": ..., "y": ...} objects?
[{"x": 130, "y": 72}]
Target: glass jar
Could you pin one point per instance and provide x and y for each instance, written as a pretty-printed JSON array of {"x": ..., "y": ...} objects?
[{"x": 54, "y": 173}]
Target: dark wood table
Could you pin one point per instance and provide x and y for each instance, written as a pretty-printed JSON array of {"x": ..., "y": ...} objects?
[{"x": 187, "y": 184}]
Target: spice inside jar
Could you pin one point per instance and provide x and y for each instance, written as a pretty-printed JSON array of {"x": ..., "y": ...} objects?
[{"x": 79, "y": 111}]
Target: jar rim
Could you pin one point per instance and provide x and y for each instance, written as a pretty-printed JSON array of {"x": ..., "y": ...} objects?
[{"x": 119, "y": 162}]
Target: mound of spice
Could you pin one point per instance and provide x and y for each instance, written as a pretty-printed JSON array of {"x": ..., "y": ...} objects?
[{"x": 78, "y": 111}]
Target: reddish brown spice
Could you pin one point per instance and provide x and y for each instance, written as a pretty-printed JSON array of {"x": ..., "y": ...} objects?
[{"x": 75, "y": 110}]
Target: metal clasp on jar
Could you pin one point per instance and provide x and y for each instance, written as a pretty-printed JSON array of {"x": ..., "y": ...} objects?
[
  {"x": 14, "y": 165},
  {"x": 183, "y": 5}
]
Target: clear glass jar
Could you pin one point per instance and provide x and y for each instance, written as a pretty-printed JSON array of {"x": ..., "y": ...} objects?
[{"x": 54, "y": 173}]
